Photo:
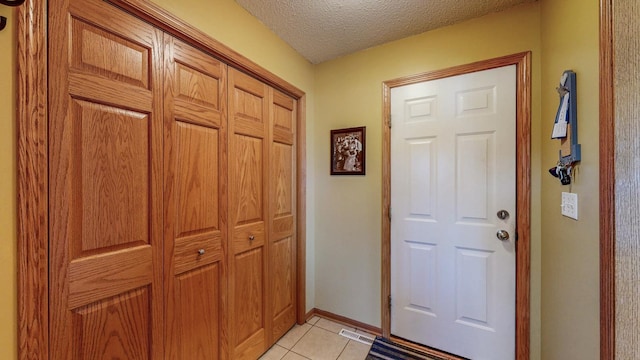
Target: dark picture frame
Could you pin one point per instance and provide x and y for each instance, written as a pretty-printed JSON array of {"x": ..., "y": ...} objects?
[{"x": 348, "y": 151}]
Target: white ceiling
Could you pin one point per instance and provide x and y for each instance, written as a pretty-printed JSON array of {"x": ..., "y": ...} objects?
[{"x": 322, "y": 30}]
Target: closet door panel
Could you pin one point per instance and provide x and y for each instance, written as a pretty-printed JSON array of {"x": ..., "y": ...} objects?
[
  {"x": 197, "y": 172},
  {"x": 94, "y": 48},
  {"x": 282, "y": 243},
  {"x": 186, "y": 251},
  {"x": 196, "y": 313},
  {"x": 284, "y": 118},
  {"x": 100, "y": 326},
  {"x": 283, "y": 281},
  {"x": 248, "y": 175},
  {"x": 250, "y": 105},
  {"x": 195, "y": 198},
  {"x": 248, "y": 123},
  {"x": 114, "y": 175},
  {"x": 198, "y": 87},
  {"x": 105, "y": 204},
  {"x": 247, "y": 237},
  {"x": 102, "y": 276},
  {"x": 249, "y": 295}
]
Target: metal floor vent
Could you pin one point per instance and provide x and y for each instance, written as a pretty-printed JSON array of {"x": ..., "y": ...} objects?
[{"x": 357, "y": 337}]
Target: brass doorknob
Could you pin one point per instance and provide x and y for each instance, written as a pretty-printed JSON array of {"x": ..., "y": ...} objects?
[{"x": 502, "y": 235}]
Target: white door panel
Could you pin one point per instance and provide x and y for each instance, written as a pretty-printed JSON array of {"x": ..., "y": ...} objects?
[{"x": 452, "y": 170}]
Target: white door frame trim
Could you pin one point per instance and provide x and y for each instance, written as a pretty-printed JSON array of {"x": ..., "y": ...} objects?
[{"x": 523, "y": 185}]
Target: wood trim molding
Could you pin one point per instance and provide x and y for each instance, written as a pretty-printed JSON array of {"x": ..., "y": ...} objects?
[
  {"x": 386, "y": 207},
  {"x": 523, "y": 191},
  {"x": 32, "y": 187},
  {"x": 301, "y": 211},
  {"x": 31, "y": 119},
  {"x": 607, "y": 184},
  {"x": 523, "y": 187}
]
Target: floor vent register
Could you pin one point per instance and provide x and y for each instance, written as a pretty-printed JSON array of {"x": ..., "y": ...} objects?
[{"x": 357, "y": 337}]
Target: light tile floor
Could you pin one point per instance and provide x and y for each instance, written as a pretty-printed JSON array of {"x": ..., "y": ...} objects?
[{"x": 318, "y": 339}]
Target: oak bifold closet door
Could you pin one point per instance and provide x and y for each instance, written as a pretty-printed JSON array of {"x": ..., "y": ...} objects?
[
  {"x": 172, "y": 196},
  {"x": 105, "y": 178},
  {"x": 261, "y": 215},
  {"x": 195, "y": 201}
]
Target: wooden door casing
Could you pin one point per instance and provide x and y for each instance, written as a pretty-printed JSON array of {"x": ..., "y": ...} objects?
[
  {"x": 249, "y": 135},
  {"x": 195, "y": 202},
  {"x": 282, "y": 200},
  {"x": 105, "y": 200}
]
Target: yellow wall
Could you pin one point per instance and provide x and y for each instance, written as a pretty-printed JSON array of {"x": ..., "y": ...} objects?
[
  {"x": 348, "y": 93},
  {"x": 8, "y": 281},
  {"x": 570, "y": 253}
]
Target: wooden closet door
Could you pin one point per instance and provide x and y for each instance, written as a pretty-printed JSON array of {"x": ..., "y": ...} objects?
[
  {"x": 195, "y": 198},
  {"x": 105, "y": 156},
  {"x": 282, "y": 199},
  {"x": 248, "y": 205}
]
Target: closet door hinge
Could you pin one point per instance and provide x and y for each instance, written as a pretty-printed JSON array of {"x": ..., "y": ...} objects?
[
  {"x": 389, "y": 122},
  {"x": 389, "y": 302},
  {"x": 389, "y": 212}
]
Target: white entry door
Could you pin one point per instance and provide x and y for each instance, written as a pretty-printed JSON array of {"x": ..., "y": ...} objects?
[{"x": 453, "y": 188}]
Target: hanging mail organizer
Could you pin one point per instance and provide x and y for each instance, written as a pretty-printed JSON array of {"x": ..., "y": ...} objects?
[{"x": 565, "y": 128}]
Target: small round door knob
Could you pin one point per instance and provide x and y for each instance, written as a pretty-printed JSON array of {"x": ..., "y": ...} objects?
[
  {"x": 201, "y": 252},
  {"x": 251, "y": 237},
  {"x": 503, "y": 214},
  {"x": 502, "y": 235}
]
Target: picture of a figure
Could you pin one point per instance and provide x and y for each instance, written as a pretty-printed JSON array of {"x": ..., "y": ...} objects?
[{"x": 347, "y": 151}]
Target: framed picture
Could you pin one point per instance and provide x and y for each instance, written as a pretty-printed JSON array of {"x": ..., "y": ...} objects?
[{"x": 348, "y": 151}]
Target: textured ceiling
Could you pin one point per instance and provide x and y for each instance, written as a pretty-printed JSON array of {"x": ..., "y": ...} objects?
[{"x": 322, "y": 30}]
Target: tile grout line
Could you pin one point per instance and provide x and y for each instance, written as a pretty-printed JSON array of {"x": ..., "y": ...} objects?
[
  {"x": 297, "y": 341},
  {"x": 337, "y": 333},
  {"x": 303, "y": 335},
  {"x": 302, "y": 356},
  {"x": 294, "y": 344},
  {"x": 343, "y": 349}
]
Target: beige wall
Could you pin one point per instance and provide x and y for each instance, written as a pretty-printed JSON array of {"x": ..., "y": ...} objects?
[
  {"x": 570, "y": 249},
  {"x": 348, "y": 93},
  {"x": 8, "y": 281}
]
